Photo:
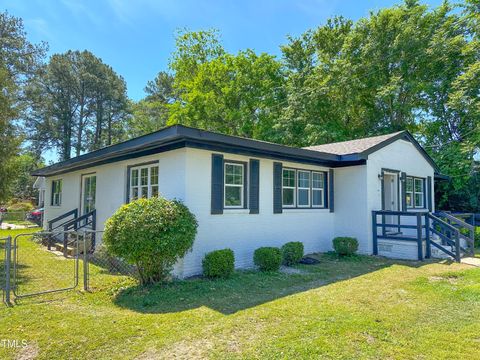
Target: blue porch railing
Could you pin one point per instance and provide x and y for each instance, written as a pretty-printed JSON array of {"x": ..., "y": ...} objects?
[{"x": 420, "y": 228}]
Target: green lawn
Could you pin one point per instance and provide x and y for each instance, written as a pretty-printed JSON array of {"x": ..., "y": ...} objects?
[{"x": 362, "y": 307}]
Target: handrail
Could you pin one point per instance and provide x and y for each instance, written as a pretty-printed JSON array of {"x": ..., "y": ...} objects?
[
  {"x": 456, "y": 220},
  {"x": 401, "y": 213},
  {"x": 74, "y": 223},
  {"x": 442, "y": 223},
  {"x": 61, "y": 217},
  {"x": 80, "y": 218},
  {"x": 445, "y": 226}
]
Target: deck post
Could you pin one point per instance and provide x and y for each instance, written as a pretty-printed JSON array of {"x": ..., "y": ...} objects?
[
  {"x": 428, "y": 249},
  {"x": 419, "y": 236},
  {"x": 472, "y": 235},
  {"x": 457, "y": 246},
  {"x": 384, "y": 230},
  {"x": 374, "y": 232}
]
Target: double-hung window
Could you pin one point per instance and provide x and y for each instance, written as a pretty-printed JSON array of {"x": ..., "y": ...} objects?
[
  {"x": 57, "y": 192},
  {"x": 414, "y": 192},
  {"x": 234, "y": 185},
  {"x": 143, "y": 181},
  {"x": 288, "y": 188},
  {"x": 409, "y": 192},
  {"x": 418, "y": 193},
  {"x": 303, "y": 190},
  {"x": 318, "y": 189}
]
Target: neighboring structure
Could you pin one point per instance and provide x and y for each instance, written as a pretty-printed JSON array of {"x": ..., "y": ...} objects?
[
  {"x": 39, "y": 184},
  {"x": 247, "y": 193}
]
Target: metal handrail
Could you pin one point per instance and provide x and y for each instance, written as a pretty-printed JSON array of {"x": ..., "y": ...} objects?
[
  {"x": 61, "y": 217},
  {"x": 80, "y": 218}
]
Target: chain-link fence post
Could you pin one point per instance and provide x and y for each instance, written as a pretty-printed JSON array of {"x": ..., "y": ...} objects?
[
  {"x": 8, "y": 259},
  {"x": 85, "y": 262}
]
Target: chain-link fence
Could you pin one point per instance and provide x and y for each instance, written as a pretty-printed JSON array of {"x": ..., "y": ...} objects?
[
  {"x": 102, "y": 269},
  {"x": 45, "y": 262},
  {"x": 37, "y": 270},
  {"x": 3, "y": 267}
]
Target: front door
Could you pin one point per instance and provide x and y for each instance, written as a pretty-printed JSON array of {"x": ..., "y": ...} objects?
[
  {"x": 89, "y": 186},
  {"x": 390, "y": 198}
]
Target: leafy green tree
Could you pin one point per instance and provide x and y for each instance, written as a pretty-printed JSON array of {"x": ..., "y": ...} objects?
[
  {"x": 19, "y": 63},
  {"x": 22, "y": 186},
  {"x": 78, "y": 104},
  {"x": 233, "y": 94},
  {"x": 151, "y": 113}
]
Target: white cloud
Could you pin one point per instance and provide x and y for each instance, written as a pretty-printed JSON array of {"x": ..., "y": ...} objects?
[
  {"x": 81, "y": 11},
  {"x": 40, "y": 27}
]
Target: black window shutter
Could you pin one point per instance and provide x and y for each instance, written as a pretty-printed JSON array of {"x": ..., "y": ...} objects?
[
  {"x": 277, "y": 188},
  {"x": 331, "y": 191},
  {"x": 429, "y": 193},
  {"x": 51, "y": 194},
  {"x": 217, "y": 184},
  {"x": 254, "y": 186},
  {"x": 403, "y": 178}
]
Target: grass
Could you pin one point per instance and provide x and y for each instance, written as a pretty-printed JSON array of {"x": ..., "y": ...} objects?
[
  {"x": 20, "y": 222},
  {"x": 359, "y": 307}
]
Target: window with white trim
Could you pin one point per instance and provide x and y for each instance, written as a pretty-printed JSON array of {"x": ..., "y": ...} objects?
[
  {"x": 409, "y": 192},
  {"x": 234, "y": 185},
  {"x": 288, "y": 188},
  {"x": 418, "y": 191},
  {"x": 318, "y": 189},
  {"x": 414, "y": 192},
  {"x": 57, "y": 192},
  {"x": 143, "y": 181},
  {"x": 303, "y": 188}
]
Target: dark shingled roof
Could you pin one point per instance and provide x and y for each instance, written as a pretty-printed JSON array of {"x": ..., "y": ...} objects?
[
  {"x": 345, "y": 153},
  {"x": 353, "y": 146}
]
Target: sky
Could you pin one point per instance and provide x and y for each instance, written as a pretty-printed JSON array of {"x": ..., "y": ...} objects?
[{"x": 136, "y": 37}]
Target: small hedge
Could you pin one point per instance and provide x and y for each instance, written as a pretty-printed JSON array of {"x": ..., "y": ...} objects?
[
  {"x": 292, "y": 253},
  {"x": 345, "y": 246},
  {"x": 219, "y": 264},
  {"x": 268, "y": 258}
]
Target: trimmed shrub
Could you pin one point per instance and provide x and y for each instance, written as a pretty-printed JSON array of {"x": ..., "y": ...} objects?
[
  {"x": 219, "y": 264},
  {"x": 268, "y": 258},
  {"x": 345, "y": 246},
  {"x": 292, "y": 252},
  {"x": 151, "y": 234}
]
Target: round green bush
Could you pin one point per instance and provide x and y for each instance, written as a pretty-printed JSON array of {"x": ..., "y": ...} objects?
[
  {"x": 268, "y": 258},
  {"x": 151, "y": 234},
  {"x": 345, "y": 246},
  {"x": 219, "y": 264},
  {"x": 292, "y": 252}
]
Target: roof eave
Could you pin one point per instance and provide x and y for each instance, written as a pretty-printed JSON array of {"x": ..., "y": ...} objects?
[
  {"x": 407, "y": 136},
  {"x": 180, "y": 136}
]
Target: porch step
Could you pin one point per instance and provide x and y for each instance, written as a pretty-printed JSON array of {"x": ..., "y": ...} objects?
[{"x": 439, "y": 254}]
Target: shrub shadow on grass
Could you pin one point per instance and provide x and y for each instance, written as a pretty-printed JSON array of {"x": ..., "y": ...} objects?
[{"x": 246, "y": 289}]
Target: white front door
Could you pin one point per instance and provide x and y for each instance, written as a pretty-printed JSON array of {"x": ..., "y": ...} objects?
[
  {"x": 89, "y": 186},
  {"x": 390, "y": 198}
]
